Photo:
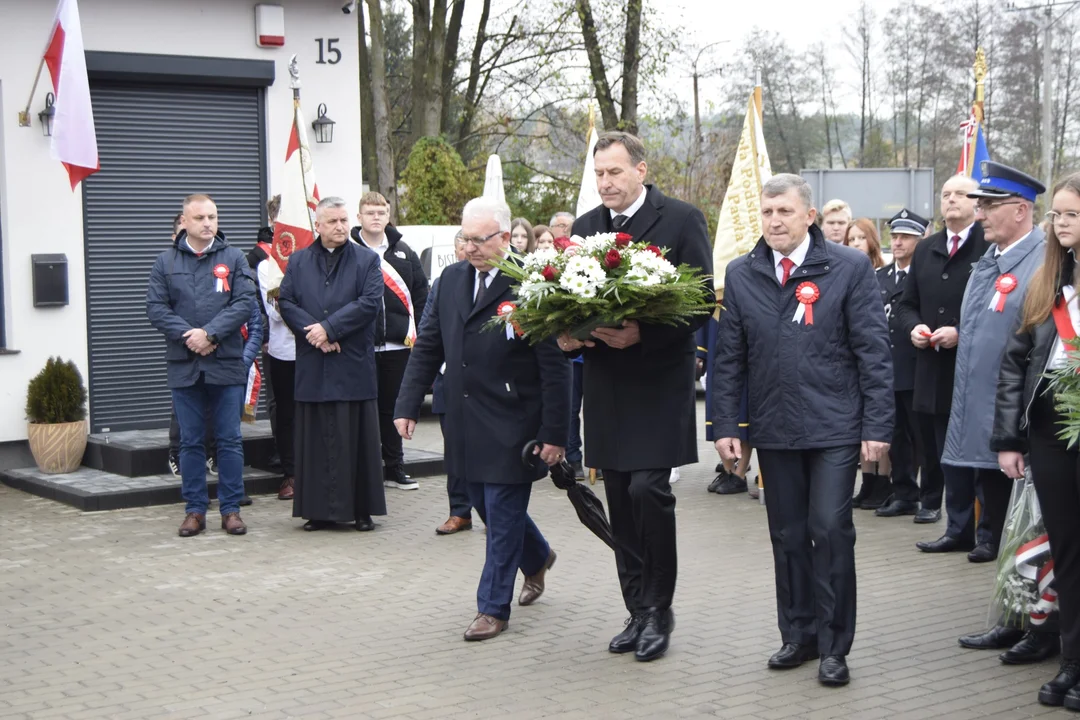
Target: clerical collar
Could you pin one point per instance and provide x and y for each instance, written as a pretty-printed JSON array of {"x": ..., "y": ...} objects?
[{"x": 634, "y": 206}]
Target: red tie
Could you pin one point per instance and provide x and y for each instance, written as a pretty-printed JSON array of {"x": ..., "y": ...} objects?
[
  {"x": 955, "y": 245},
  {"x": 787, "y": 264}
]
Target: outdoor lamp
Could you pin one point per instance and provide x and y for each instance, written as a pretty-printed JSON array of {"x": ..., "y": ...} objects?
[
  {"x": 46, "y": 116},
  {"x": 323, "y": 126}
]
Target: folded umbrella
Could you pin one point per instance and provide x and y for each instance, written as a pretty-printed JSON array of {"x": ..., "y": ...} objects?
[{"x": 590, "y": 510}]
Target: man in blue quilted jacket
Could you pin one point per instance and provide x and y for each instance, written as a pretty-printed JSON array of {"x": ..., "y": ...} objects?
[
  {"x": 199, "y": 296},
  {"x": 804, "y": 330}
]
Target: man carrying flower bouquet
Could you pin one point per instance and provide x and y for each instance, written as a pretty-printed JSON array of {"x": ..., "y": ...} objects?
[
  {"x": 640, "y": 417},
  {"x": 804, "y": 329}
]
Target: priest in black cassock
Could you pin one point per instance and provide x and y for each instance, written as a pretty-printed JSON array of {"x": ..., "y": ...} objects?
[{"x": 330, "y": 298}]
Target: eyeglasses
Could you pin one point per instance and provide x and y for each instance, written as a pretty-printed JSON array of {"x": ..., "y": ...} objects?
[
  {"x": 985, "y": 207},
  {"x": 375, "y": 213},
  {"x": 1062, "y": 218},
  {"x": 479, "y": 241}
]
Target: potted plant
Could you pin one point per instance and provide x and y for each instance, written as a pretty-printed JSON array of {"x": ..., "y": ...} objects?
[{"x": 56, "y": 409}]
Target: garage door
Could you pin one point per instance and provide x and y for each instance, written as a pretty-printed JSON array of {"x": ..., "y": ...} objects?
[{"x": 157, "y": 144}]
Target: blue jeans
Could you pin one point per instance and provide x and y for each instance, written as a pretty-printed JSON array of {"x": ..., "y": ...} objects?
[
  {"x": 513, "y": 541},
  {"x": 573, "y": 445},
  {"x": 223, "y": 403}
]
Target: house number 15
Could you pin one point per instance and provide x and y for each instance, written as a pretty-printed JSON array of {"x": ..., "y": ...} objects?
[{"x": 328, "y": 53}]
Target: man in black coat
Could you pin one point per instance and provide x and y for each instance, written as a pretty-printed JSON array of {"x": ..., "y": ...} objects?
[
  {"x": 802, "y": 327},
  {"x": 406, "y": 290},
  {"x": 929, "y": 313},
  {"x": 501, "y": 392},
  {"x": 640, "y": 416},
  {"x": 906, "y": 229}
]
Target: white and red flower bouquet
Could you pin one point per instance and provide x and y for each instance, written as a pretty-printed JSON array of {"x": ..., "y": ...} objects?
[{"x": 599, "y": 281}]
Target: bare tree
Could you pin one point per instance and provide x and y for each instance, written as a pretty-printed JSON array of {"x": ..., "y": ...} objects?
[{"x": 380, "y": 104}]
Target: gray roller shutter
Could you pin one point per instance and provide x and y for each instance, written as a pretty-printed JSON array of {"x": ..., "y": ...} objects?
[{"x": 157, "y": 144}]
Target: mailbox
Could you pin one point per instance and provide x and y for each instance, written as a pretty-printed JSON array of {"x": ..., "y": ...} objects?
[{"x": 50, "y": 280}]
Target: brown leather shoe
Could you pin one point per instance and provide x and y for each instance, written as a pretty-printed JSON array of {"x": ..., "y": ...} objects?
[
  {"x": 533, "y": 587},
  {"x": 232, "y": 524},
  {"x": 454, "y": 524},
  {"x": 193, "y": 524},
  {"x": 286, "y": 490},
  {"x": 485, "y": 627}
]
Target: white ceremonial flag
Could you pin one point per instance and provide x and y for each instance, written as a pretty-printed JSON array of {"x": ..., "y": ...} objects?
[
  {"x": 588, "y": 197},
  {"x": 493, "y": 179},
  {"x": 739, "y": 227}
]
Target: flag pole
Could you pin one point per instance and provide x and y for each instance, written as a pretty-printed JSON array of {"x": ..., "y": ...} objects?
[
  {"x": 24, "y": 115},
  {"x": 757, "y": 94},
  {"x": 295, "y": 84}
]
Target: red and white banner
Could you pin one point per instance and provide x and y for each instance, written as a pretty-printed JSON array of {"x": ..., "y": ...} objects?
[
  {"x": 294, "y": 228},
  {"x": 393, "y": 280},
  {"x": 74, "y": 139}
]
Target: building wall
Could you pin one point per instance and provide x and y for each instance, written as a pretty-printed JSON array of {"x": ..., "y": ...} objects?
[{"x": 40, "y": 214}]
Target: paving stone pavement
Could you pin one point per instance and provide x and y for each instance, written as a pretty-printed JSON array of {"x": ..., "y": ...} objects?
[{"x": 112, "y": 615}]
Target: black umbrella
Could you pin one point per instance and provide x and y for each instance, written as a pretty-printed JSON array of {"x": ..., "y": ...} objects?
[{"x": 590, "y": 510}]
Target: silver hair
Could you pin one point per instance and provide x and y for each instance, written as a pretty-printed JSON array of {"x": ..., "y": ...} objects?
[
  {"x": 783, "y": 182},
  {"x": 564, "y": 214},
  {"x": 484, "y": 207},
  {"x": 332, "y": 202}
]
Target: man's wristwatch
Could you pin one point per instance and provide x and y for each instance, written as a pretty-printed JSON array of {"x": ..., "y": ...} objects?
[{"x": 213, "y": 339}]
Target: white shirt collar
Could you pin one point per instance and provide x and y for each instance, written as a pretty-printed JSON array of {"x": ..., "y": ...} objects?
[
  {"x": 634, "y": 206},
  {"x": 797, "y": 256},
  {"x": 998, "y": 252},
  {"x": 187, "y": 241},
  {"x": 382, "y": 246},
  {"x": 963, "y": 234}
]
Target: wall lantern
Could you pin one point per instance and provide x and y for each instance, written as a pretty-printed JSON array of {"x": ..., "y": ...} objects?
[
  {"x": 46, "y": 116},
  {"x": 323, "y": 126}
]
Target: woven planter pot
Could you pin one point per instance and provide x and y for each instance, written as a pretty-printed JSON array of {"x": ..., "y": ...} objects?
[{"x": 57, "y": 448}]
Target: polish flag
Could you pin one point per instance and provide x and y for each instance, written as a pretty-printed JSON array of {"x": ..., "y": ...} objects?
[
  {"x": 294, "y": 228},
  {"x": 74, "y": 140}
]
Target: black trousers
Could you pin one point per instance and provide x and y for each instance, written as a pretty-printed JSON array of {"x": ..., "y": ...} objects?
[
  {"x": 390, "y": 368},
  {"x": 1055, "y": 469},
  {"x": 642, "y": 512},
  {"x": 808, "y": 502},
  {"x": 906, "y": 450},
  {"x": 963, "y": 485},
  {"x": 283, "y": 381},
  {"x": 932, "y": 430},
  {"x": 457, "y": 488}
]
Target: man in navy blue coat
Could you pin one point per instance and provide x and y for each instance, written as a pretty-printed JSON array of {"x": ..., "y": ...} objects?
[
  {"x": 501, "y": 392},
  {"x": 803, "y": 327}
]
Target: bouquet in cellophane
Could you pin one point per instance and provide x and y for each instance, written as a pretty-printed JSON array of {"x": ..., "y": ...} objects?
[
  {"x": 585, "y": 283},
  {"x": 1024, "y": 594}
]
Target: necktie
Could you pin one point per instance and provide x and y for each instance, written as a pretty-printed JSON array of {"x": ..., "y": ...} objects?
[
  {"x": 619, "y": 221},
  {"x": 481, "y": 288},
  {"x": 787, "y": 264},
  {"x": 900, "y": 276},
  {"x": 955, "y": 245}
]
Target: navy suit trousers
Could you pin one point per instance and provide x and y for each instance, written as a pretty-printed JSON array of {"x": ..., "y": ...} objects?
[{"x": 513, "y": 542}]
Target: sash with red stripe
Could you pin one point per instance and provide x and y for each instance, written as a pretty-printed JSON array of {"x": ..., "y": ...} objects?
[{"x": 393, "y": 280}]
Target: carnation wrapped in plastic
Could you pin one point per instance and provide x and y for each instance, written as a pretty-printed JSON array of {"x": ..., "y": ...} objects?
[
  {"x": 600, "y": 281},
  {"x": 1023, "y": 593}
]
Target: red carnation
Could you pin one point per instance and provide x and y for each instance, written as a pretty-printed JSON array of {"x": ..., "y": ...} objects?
[
  {"x": 561, "y": 243},
  {"x": 623, "y": 239},
  {"x": 549, "y": 273},
  {"x": 612, "y": 259},
  {"x": 655, "y": 250}
]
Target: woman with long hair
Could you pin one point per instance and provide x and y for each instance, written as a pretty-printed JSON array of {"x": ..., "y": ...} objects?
[
  {"x": 544, "y": 238},
  {"x": 521, "y": 236},
  {"x": 862, "y": 235},
  {"x": 1027, "y": 421}
]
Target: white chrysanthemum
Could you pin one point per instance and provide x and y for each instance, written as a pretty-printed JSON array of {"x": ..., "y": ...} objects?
[
  {"x": 652, "y": 264},
  {"x": 588, "y": 267},
  {"x": 579, "y": 285},
  {"x": 599, "y": 242},
  {"x": 538, "y": 259}
]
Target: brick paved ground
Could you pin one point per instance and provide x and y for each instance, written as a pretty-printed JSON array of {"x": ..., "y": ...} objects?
[{"x": 111, "y": 615}]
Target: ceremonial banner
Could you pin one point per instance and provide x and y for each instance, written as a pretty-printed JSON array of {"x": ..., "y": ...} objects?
[
  {"x": 739, "y": 227},
  {"x": 74, "y": 139},
  {"x": 588, "y": 196},
  {"x": 295, "y": 226},
  {"x": 973, "y": 151},
  {"x": 493, "y": 179}
]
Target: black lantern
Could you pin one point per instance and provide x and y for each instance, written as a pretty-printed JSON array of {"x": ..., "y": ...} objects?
[
  {"x": 46, "y": 116},
  {"x": 323, "y": 126}
]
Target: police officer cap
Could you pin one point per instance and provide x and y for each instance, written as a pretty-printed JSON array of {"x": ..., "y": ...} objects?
[
  {"x": 1002, "y": 181},
  {"x": 906, "y": 222}
]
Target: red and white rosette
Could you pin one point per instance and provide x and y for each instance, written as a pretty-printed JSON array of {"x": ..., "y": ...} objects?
[
  {"x": 221, "y": 272},
  {"x": 1002, "y": 287},
  {"x": 504, "y": 309},
  {"x": 807, "y": 294},
  {"x": 1033, "y": 561}
]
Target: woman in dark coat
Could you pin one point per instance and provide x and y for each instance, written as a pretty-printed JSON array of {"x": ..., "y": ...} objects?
[{"x": 330, "y": 298}]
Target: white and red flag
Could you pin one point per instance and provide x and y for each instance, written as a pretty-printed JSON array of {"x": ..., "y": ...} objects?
[
  {"x": 74, "y": 140},
  {"x": 294, "y": 228}
]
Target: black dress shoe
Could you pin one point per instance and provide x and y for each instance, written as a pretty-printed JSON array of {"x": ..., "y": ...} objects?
[
  {"x": 721, "y": 476},
  {"x": 732, "y": 485},
  {"x": 655, "y": 634},
  {"x": 1034, "y": 647},
  {"x": 626, "y": 641},
  {"x": 312, "y": 525},
  {"x": 895, "y": 508},
  {"x": 792, "y": 655},
  {"x": 983, "y": 552},
  {"x": 1053, "y": 693},
  {"x": 925, "y": 516},
  {"x": 1072, "y": 698},
  {"x": 833, "y": 671},
  {"x": 365, "y": 524},
  {"x": 996, "y": 638},
  {"x": 880, "y": 491},
  {"x": 944, "y": 544}
]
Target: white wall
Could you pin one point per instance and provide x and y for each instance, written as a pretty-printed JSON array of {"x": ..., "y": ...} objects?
[{"x": 40, "y": 213}]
